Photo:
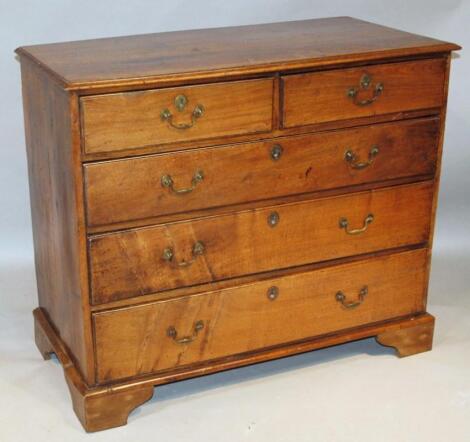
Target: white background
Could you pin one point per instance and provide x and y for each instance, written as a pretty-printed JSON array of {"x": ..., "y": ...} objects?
[{"x": 353, "y": 392}]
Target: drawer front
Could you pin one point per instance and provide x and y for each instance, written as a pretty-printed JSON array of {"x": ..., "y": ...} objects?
[
  {"x": 139, "y": 188},
  {"x": 178, "y": 332},
  {"x": 136, "y": 119},
  {"x": 146, "y": 260},
  {"x": 362, "y": 92}
]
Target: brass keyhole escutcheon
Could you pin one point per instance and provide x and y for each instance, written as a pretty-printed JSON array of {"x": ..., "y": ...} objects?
[
  {"x": 273, "y": 293},
  {"x": 276, "y": 152},
  {"x": 273, "y": 219},
  {"x": 180, "y": 102}
]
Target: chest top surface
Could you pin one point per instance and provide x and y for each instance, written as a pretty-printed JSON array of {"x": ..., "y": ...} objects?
[{"x": 232, "y": 50}]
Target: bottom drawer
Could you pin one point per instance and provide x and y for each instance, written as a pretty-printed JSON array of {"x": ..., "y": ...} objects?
[{"x": 166, "y": 334}]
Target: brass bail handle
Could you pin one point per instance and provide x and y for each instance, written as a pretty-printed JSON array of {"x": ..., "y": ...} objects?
[
  {"x": 168, "y": 182},
  {"x": 341, "y": 298},
  {"x": 364, "y": 85},
  {"x": 173, "y": 334},
  {"x": 180, "y": 103},
  {"x": 198, "y": 250},
  {"x": 344, "y": 224},
  {"x": 353, "y": 161}
]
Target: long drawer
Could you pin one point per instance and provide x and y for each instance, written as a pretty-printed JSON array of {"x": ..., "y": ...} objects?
[
  {"x": 136, "y": 119},
  {"x": 342, "y": 94},
  {"x": 139, "y": 188},
  {"x": 145, "y": 260},
  {"x": 167, "y": 334}
]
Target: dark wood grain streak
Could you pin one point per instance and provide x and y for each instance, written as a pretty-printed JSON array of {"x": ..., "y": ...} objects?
[
  {"x": 246, "y": 279},
  {"x": 130, "y": 263},
  {"x": 137, "y": 389},
  {"x": 243, "y": 319},
  {"x": 275, "y": 134},
  {"x": 131, "y": 189},
  {"x": 97, "y": 149}
]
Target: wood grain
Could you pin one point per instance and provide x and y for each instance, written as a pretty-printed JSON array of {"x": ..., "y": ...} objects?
[
  {"x": 130, "y": 263},
  {"x": 57, "y": 212},
  {"x": 322, "y": 96},
  {"x": 141, "y": 60},
  {"x": 133, "y": 119},
  {"x": 109, "y": 409},
  {"x": 131, "y": 189},
  {"x": 247, "y": 138},
  {"x": 409, "y": 341},
  {"x": 80, "y": 391},
  {"x": 108, "y": 297},
  {"x": 437, "y": 179},
  {"x": 134, "y": 341}
]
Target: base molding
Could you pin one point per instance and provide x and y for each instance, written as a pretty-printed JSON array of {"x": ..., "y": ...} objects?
[{"x": 107, "y": 406}]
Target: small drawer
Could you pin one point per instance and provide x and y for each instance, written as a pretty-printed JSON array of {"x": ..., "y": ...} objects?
[
  {"x": 130, "y": 120},
  {"x": 342, "y": 94},
  {"x": 145, "y": 260},
  {"x": 139, "y": 188},
  {"x": 169, "y": 334}
]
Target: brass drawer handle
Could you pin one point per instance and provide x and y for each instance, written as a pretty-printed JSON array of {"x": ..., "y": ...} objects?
[
  {"x": 341, "y": 298},
  {"x": 198, "y": 250},
  {"x": 167, "y": 181},
  {"x": 352, "y": 160},
  {"x": 180, "y": 103},
  {"x": 173, "y": 334},
  {"x": 364, "y": 84},
  {"x": 344, "y": 224}
]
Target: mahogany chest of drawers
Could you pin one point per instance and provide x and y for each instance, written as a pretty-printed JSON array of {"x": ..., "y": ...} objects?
[{"x": 203, "y": 200}]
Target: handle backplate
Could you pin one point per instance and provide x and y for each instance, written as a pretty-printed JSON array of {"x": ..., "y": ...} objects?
[{"x": 276, "y": 152}]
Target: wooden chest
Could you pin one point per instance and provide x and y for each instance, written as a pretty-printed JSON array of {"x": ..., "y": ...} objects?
[{"x": 203, "y": 200}]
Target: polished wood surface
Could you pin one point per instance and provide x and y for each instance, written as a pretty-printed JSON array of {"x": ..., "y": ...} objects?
[
  {"x": 133, "y": 119},
  {"x": 131, "y": 189},
  {"x": 323, "y": 96},
  {"x": 277, "y": 132},
  {"x": 188, "y": 55},
  {"x": 243, "y": 319},
  {"x": 56, "y": 212},
  {"x": 131, "y": 263},
  {"x": 136, "y": 387},
  {"x": 409, "y": 341},
  {"x": 127, "y": 266},
  {"x": 97, "y": 409}
]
